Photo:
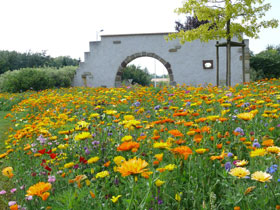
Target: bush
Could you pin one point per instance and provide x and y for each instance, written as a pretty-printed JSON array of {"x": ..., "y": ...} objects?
[
  {"x": 266, "y": 63},
  {"x": 36, "y": 79}
]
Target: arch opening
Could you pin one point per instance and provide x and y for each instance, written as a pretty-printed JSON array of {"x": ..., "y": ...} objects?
[{"x": 131, "y": 60}]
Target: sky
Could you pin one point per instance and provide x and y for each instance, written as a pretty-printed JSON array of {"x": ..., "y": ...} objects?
[{"x": 65, "y": 27}]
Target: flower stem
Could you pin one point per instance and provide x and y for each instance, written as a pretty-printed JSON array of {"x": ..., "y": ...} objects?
[{"x": 132, "y": 195}]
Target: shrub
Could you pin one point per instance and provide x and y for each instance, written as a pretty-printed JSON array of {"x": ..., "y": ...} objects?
[
  {"x": 36, "y": 79},
  {"x": 266, "y": 63}
]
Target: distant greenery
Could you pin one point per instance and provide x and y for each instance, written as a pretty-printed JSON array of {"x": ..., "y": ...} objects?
[
  {"x": 266, "y": 64},
  {"x": 137, "y": 74},
  {"x": 36, "y": 79},
  {"x": 11, "y": 60}
]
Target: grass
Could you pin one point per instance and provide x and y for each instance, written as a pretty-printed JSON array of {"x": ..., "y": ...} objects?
[{"x": 4, "y": 125}]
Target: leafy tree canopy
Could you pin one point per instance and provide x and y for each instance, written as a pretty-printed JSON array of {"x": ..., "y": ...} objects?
[
  {"x": 190, "y": 24},
  {"x": 266, "y": 63},
  {"x": 137, "y": 74},
  {"x": 226, "y": 19},
  {"x": 11, "y": 60}
]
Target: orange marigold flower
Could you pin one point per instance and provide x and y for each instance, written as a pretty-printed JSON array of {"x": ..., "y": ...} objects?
[
  {"x": 197, "y": 138},
  {"x": 14, "y": 207},
  {"x": 219, "y": 146},
  {"x": 128, "y": 146},
  {"x": 205, "y": 129},
  {"x": 155, "y": 137},
  {"x": 146, "y": 174},
  {"x": 175, "y": 133},
  {"x": 92, "y": 194},
  {"x": 268, "y": 143},
  {"x": 184, "y": 151},
  {"x": 107, "y": 164},
  {"x": 40, "y": 189},
  {"x": 188, "y": 124},
  {"x": 133, "y": 166}
]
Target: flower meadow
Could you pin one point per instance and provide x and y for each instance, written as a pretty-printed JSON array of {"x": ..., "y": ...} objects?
[{"x": 137, "y": 147}]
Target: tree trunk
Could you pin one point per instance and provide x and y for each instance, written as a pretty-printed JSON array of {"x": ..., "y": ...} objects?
[{"x": 228, "y": 70}]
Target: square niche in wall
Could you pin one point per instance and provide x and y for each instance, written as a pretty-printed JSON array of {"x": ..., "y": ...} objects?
[{"x": 207, "y": 64}]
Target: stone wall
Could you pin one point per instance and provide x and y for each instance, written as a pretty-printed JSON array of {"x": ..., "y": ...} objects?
[{"x": 106, "y": 59}]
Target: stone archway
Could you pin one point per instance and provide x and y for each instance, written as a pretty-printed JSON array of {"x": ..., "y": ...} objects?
[{"x": 128, "y": 59}]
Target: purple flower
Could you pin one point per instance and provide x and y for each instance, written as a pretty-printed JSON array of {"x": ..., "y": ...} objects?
[
  {"x": 256, "y": 144},
  {"x": 228, "y": 166},
  {"x": 137, "y": 104},
  {"x": 229, "y": 154},
  {"x": 157, "y": 107},
  {"x": 239, "y": 130},
  {"x": 160, "y": 202},
  {"x": 95, "y": 142},
  {"x": 42, "y": 139}
]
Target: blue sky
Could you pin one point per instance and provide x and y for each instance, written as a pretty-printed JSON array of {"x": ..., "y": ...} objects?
[{"x": 65, "y": 27}]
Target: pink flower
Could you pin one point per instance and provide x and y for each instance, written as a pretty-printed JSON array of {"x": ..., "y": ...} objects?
[
  {"x": 51, "y": 179},
  {"x": 2, "y": 192},
  {"x": 29, "y": 197},
  {"x": 13, "y": 190},
  {"x": 11, "y": 203}
]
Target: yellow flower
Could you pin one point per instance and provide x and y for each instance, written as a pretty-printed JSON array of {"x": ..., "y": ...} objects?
[
  {"x": 241, "y": 163},
  {"x": 110, "y": 112},
  {"x": 190, "y": 133},
  {"x": 170, "y": 167},
  {"x": 81, "y": 125},
  {"x": 93, "y": 160},
  {"x": 82, "y": 136},
  {"x": 115, "y": 199},
  {"x": 132, "y": 166},
  {"x": 94, "y": 115},
  {"x": 178, "y": 196},
  {"x": 159, "y": 183},
  {"x": 102, "y": 174},
  {"x": 245, "y": 116},
  {"x": 128, "y": 117},
  {"x": 69, "y": 165},
  {"x": 258, "y": 152},
  {"x": 261, "y": 176},
  {"x": 8, "y": 172},
  {"x": 40, "y": 189},
  {"x": 213, "y": 118},
  {"x": 226, "y": 104},
  {"x": 162, "y": 145},
  {"x": 239, "y": 172},
  {"x": 273, "y": 149},
  {"x": 119, "y": 160},
  {"x": 200, "y": 151},
  {"x": 159, "y": 156},
  {"x": 127, "y": 138},
  {"x": 62, "y": 146}
]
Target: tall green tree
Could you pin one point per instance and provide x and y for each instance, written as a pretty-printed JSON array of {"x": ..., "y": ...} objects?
[
  {"x": 137, "y": 74},
  {"x": 226, "y": 19}
]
